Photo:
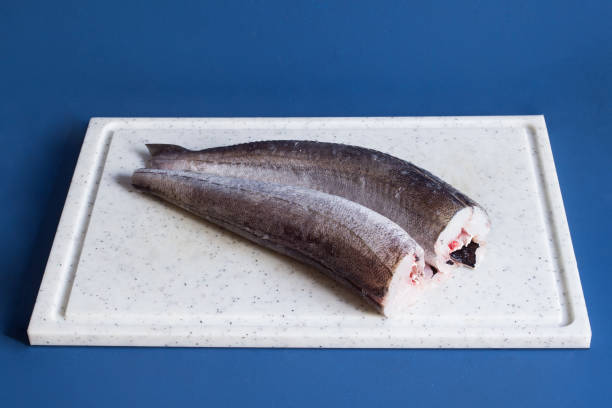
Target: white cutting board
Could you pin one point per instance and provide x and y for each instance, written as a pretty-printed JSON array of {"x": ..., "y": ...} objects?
[{"x": 128, "y": 269}]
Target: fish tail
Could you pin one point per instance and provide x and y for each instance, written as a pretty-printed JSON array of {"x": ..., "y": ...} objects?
[{"x": 157, "y": 149}]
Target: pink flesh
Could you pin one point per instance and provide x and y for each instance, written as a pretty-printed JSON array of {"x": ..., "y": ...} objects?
[
  {"x": 462, "y": 238},
  {"x": 414, "y": 275}
]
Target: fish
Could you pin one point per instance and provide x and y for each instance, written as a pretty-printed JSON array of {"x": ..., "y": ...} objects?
[
  {"x": 449, "y": 226},
  {"x": 363, "y": 250}
]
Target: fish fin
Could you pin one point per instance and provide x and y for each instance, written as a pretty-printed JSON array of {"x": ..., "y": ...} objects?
[{"x": 158, "y": 149}]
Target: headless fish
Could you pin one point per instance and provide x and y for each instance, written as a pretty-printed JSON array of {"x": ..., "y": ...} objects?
[
  {"x": 350, "y": 243},
  {"x": 448, "y": 225}
]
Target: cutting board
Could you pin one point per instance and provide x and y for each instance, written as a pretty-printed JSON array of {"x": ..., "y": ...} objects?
[{"x": 129, "y": 269}]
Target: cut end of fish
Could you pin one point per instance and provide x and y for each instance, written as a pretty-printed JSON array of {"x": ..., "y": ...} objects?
[
  {"x": 462, "y": 242},
  {"x": 409, "y": 279}
]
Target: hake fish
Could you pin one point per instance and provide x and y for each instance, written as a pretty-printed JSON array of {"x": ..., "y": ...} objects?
[
  {"x": 448, "y": 225},
  {"x": 352, "y": 244}
]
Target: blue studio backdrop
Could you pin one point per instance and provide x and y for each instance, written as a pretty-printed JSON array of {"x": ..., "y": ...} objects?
[{"x": 63, "y": 62}]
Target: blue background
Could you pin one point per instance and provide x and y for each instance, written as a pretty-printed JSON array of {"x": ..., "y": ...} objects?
[{"x": 63, "y": 62}]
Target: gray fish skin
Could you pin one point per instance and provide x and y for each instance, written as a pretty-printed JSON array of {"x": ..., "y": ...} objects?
[
  {"x": 412, "y": 197},
  {"x": 350, "y": 243}
]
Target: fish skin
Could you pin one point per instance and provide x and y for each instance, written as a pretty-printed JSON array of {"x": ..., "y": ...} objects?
[
  {"x": 348, "y": 242},
  {"x": 412, "y": 197}
]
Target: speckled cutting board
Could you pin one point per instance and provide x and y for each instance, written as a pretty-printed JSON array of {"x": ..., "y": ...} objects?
[{"x": 128, "y": 269}]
